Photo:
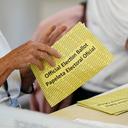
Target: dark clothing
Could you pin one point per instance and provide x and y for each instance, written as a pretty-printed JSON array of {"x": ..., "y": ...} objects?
[{"x": 81, "y": 94}]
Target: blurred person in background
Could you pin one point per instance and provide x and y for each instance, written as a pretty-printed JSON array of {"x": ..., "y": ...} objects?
[{"x": 108, "y": 20}]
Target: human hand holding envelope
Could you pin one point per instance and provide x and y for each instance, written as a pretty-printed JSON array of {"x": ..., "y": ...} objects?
[{"x": 83, "y": 56}]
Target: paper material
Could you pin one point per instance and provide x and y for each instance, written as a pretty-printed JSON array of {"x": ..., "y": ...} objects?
[
  {"x": 98, "y": 124},
  {"x": 115, "y": 102},
  {"x": 83, "y": 56},
  {"x": 19, "y": 118}
]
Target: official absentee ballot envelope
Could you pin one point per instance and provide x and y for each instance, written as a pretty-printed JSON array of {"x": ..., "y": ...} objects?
[{"x": 83, "y": 56}]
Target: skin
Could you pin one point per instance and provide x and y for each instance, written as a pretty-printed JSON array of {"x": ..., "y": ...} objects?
[
  {"x": 68, "y": 17},
  {"x": 31, "y": 52},
  {"x": 38, "y": 101}
]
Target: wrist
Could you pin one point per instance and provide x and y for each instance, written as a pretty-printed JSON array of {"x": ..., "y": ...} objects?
[{"x": 77, "y": 16}]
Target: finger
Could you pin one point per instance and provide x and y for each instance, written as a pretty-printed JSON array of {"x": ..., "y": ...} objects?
[
  {"x": 36, "y": 85},
  {"x": 54, "y": 36},
  {"x": 54, "y": 52},
  {"x": 40, "y": 100},
  {"x": 45, "y": 39},
  {"x": 47, "y": 108},
  {"x": 33, "y": 103},
  {"x": 50, "y": 30},
  {"x": 66, "y": 102},
  {"x": 67, "y": 30},
  {"x": 48, "y": 58},
  {"x": 48, "y": 49},
  {"x": 38, "y": 63}
]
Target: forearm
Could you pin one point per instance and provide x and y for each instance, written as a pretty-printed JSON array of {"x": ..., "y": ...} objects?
[
  {"x": 68, "y": 17},
  {"x": 6, "y": 68}
]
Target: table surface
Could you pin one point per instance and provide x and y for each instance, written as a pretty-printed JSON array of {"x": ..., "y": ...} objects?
[{"x": 74, "y": 112}]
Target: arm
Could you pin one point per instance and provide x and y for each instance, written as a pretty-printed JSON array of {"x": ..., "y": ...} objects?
[
  {"x": 68, "y": 17},
  {"x": 21, "y": 57}
]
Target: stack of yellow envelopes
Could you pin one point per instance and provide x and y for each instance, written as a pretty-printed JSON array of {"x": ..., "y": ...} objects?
[
  {"x": 113, "y": 103},
  {"x": 83, "y": 56}
]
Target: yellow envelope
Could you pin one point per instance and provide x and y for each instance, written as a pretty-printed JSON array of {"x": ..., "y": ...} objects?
[
  {"x": 83, "y": 56},
  {"x": 112, "y": 103}
]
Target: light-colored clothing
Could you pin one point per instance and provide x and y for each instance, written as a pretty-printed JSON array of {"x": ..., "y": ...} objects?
[
  {"x": 14, "y": 80},
  {"x": 108, "y": 20}
]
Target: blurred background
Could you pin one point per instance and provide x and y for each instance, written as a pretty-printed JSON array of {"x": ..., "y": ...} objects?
[{"x": 19, "y": 18}]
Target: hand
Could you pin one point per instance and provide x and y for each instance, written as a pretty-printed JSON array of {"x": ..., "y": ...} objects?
[
  {"x": 39, "y": 103},
  {"x": 50, "y": 36},
  {"x": 68, "y": 17},
  {"x": 32, "y": 53}
]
